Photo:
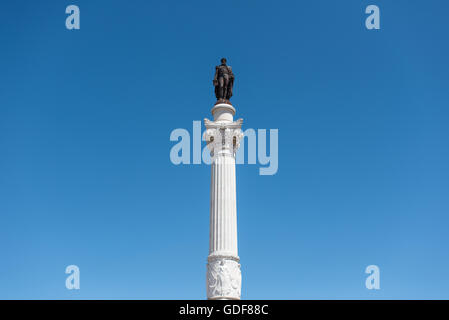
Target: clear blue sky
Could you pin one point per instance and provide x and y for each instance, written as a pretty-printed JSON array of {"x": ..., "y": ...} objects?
[{"x": 85, "y": 120}]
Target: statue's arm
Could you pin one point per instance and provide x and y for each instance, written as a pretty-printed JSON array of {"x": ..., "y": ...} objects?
[
  {"x": 215, "y": 81},
  {"x": 230, "y": 71}
]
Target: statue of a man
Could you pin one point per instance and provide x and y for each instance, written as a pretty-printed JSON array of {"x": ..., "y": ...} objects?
[{"x": 223, "y": 81}]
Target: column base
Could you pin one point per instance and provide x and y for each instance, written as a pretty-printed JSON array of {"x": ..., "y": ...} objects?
[{"x": 224, "y": 278}]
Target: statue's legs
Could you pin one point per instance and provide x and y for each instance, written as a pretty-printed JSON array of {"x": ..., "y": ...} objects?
[
  {"x": 229, "y": 91},
  {"x": 225, "y": 87},
  {"x": 221, "y": 88}
]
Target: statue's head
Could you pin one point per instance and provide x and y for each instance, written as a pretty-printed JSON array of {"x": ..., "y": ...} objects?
[{"x": 223, "y": 60}]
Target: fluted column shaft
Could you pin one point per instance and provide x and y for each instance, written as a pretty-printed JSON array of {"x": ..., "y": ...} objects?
[
  {"x": 223, "y": 269},
  {"x": 223, "y": 218}
]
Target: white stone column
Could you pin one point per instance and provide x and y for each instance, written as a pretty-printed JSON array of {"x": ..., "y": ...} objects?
[{"x": 223, "y": 137}]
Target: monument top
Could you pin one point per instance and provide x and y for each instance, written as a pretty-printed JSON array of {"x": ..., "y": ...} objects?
[{"x": 223, "y": 82}]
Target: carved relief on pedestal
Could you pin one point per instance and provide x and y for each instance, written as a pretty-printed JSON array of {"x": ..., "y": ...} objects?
[{"x": 223, "y": 278}]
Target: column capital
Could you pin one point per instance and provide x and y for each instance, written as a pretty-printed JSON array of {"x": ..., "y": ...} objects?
[{"x": 223, "y": 137}]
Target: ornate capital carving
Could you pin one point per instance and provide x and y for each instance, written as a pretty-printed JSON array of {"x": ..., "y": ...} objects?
[{"x": 223, "y": 136}]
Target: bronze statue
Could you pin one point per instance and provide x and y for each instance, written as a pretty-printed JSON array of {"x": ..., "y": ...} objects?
[{"x": 223, "y": 82}]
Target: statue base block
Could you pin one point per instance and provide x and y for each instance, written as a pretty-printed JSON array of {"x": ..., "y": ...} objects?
[
  {"x": 225, "y": 101},
  {"x": 223, "y": 112}
]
